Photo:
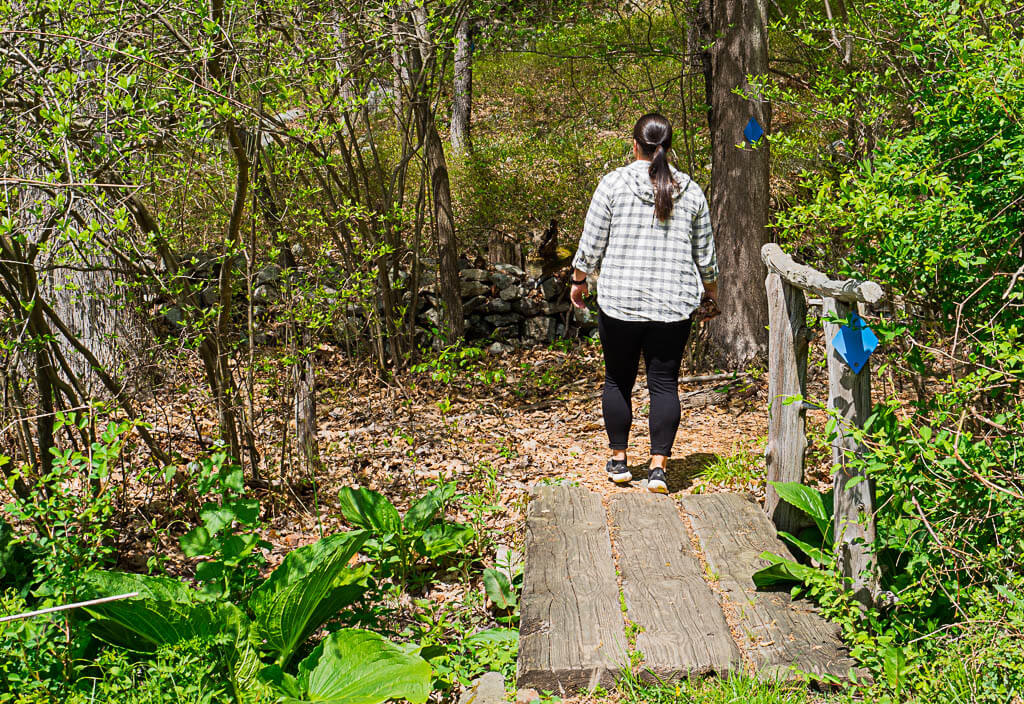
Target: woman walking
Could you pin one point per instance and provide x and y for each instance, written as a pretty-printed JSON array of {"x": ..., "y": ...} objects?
[{"x": 649, "y": 231}]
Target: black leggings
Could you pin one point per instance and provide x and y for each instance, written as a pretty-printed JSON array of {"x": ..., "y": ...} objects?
[{"x": 662, "y": 346}]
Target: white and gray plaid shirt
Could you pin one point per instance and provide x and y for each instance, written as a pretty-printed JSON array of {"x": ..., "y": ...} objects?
[{"x": 650, "y": 270}]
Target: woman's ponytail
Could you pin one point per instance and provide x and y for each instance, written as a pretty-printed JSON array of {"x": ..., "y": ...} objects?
[
  {"x": 654, "y": 135},
  {"x": 662, "y": 179}
]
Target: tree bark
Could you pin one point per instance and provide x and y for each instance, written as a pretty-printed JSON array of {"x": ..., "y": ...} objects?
[
  {"x": 737, "y": 39},
  {"x": 421, "y": 64},
  {"x": 462, "y": 93}
]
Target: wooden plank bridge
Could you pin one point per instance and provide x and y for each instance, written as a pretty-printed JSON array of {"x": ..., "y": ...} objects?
[
  {"x": 644, "y": 577},
  {"x": 664, "y": 587}
]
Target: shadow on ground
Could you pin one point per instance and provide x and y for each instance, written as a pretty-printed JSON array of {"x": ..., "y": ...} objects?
[{"x": 680, "y": 471}]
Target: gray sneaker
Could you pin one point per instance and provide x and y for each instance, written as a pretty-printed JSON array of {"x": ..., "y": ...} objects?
[
  {"x": 656, "y": 482},
  {"x": 618, "y": 471}
]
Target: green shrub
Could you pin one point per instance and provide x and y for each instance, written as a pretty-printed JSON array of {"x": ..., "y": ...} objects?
[
  {"x": 398, "y": 543},
  {"x": 33, "y": 654},
  {"x": 933, "y": 215}
]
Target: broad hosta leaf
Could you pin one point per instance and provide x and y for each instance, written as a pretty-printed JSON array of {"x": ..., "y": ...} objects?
[
  {"x": 443, "y": 538},
  {"x": 241, "y": 650},
  {"x": 311, "y": 585},
  {"x": 782, "y": 571},
  {"x": 166, "y": 612},
  {"x": 816, "y": 554},
  {"x": 422, "y": 513},
  {"x": 499, "y": 589},
  {"x": 353, "y": 666},
  {"x": 810, "y": 501},
  {"x": 367, "y": 509},
  {"x": 504, "y": 637},
  {"x": 101, "y": 583}
]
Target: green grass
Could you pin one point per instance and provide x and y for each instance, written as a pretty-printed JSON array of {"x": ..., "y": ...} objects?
[
  {"x": 738, "y": 470},
  {"x": 734, "y": 689}
]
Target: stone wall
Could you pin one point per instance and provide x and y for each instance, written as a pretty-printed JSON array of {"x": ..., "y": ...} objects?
[
  {"x": 509, "y": 308},
  {"x": 504, "y": 306}
]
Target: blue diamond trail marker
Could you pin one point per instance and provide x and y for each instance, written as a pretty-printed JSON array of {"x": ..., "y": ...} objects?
[
  {"x": 855, "y": 342},
  {"x": 753, "y": 131}
]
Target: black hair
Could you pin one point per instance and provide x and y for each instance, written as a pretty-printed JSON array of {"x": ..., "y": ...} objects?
[{"x": 654, "y": 135}]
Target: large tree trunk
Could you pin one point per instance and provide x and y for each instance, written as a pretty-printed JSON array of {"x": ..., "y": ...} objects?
[
  {"x": 421, "y": 64},
  {"x": 462, "y": 93},
  {"x": 444, "y": 223},
  {"x": 737, "y": 39},
  {"x": 83, "y": 291}
]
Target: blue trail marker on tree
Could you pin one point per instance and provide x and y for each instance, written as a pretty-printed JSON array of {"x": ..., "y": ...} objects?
[
  {"x": 855, "y": 342},
  {"x": 753, "y": 131}
]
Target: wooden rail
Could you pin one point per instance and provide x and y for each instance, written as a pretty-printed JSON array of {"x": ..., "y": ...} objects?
[{"x": 849, "y": 400}]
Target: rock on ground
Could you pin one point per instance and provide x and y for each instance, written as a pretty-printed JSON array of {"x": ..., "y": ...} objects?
[{"x": 487, "y": 689}]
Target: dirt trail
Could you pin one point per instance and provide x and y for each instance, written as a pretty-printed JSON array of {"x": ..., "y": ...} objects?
[{"x": 495, "y": 430}]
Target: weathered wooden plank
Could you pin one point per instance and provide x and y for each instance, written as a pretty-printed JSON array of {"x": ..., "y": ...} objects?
[
  {"x": 571, "y": 633},
  {"x": 777, "y": 633},
  {"x": 849, "y": 396},
  {"x": 811, "y": 279},
  {"x": 683, "y": 630},
  {"x": 787, "y": 376}
]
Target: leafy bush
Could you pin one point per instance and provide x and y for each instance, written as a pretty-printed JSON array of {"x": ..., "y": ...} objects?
[
  {"x": 69, "y": 509},
  {"x": 32, "y": 654},
  {"x": 235, "y": 559},
  {"x": 397, "y": 542},
  {"x": 933, "y": 215},
  {"x": 310, "y": 587}
]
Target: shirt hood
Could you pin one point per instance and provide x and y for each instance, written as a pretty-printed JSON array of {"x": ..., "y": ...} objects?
[{"x": 638, "y": 180}]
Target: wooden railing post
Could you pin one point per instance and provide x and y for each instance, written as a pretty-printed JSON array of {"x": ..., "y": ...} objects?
[
  {"x": 849, "y": 399},
  {"x": 787, "y": 377}
]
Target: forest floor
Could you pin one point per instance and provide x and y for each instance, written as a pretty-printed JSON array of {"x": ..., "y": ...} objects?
[{"x": 495, "y": 426}]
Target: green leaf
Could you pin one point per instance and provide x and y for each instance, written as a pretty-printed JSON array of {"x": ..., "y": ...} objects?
[
  {"x": 810, "y": 501},
  {"x": 352, "y": 666},
  {"x": 216, "y": 518},
  {"x": 166, "y": 612},
  {"x": 367, "y": 509},
  {"x": 816, "y": 554},
  {"x": 310, "y": 586},
  {"x": 443, "y": 538},
  {"x": 499, "y": 589},
  {"x": 238, "y": 547},
  {"x": 209, "y": 571},
  {"x": 196, "y": 542},
  {"x": 247, "y": 511},
  {"x": 101, "y": 583},
  {"x": 281, "y": 681},
  {"x": 233, "y": 478},
  {"x": 495, "y": 637},
  {"x": 781, "y": 571},
  {"x": 423, "y": 512}
]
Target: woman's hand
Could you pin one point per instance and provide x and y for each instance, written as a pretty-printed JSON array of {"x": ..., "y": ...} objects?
[
  {"x": 578, "y": 290},
  {"x": 708, "y": 308},
  {"x": 576, "y": 294}
]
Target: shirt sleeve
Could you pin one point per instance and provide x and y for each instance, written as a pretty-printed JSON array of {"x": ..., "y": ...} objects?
[
  {"x": 704, "y": 255},
  {"x": 596, "y": 227}
]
